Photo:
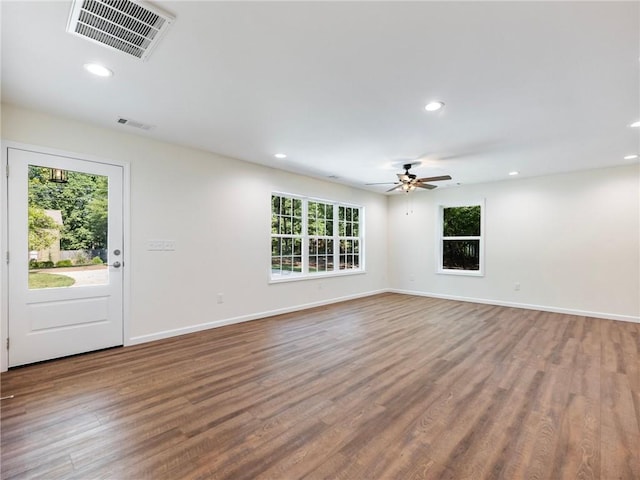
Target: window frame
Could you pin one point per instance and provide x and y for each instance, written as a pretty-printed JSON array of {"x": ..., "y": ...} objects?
[
  {"x": 441, "y": 239},
  {"x": 305, "y": 273}
]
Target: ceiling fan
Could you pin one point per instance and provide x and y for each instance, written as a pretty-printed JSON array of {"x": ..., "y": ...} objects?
[{"x": 408, "y": 182}]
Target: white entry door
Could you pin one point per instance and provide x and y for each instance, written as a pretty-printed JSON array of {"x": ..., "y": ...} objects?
[{"x": 65, "y": 241}]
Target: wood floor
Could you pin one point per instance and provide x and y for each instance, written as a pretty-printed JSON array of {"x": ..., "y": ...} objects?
[{"x": 386, "y": 387}]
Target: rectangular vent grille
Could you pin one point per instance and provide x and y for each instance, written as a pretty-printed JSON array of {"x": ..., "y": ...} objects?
[
  {"x": 134, "y": 123},
  {"x": 129, "y": 26}
]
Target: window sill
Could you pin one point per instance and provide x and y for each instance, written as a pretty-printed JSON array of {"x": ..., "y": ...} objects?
[
  {"x": 315, "y": 276},
  {"x": 463, "y": 273}
]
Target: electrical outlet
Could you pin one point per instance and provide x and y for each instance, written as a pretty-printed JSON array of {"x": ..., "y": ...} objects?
[
  {"x": 155, "y": 245},
  {"x": 516, "y": 287},
  {"x": 220, "y": 298}
]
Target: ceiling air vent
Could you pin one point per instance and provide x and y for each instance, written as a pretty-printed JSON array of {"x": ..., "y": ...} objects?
[
  {"x": 133, "y": 27},
  {"x": 134, "y": 123}
]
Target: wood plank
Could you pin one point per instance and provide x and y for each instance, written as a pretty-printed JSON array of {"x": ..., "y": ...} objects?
[{"x": 388, "y": 386}]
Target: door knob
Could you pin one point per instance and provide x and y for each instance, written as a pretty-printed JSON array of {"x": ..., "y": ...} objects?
[{"x": 116, "y": 265}]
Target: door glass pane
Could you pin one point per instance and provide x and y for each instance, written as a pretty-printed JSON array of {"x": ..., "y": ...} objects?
[{"x": 67, "y": 221}]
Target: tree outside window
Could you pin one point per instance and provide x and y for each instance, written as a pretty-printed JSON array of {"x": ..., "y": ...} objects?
[{"x": 461, "y": 239}]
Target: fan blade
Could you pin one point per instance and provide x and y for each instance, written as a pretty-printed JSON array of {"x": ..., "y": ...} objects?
[
  {"x": 425, "y": 185},
  {"x": 394, "y": 188},
  {"x": 434, "y": 179},
  {"x": 383, "y": 183}
]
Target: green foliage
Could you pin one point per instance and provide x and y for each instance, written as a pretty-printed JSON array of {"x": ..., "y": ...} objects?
[
  {"x": 83, "y": 202},
  {"x": 64, "y": 263},
  {"x": 461, "y": 221},
  {"x": 320, "y": 219},
  {"x": 36, "y": 264},
  {"x": 41, "y": 229},
  {"x": 49, "y": 280},
  {"x": 97, "y": 261}
]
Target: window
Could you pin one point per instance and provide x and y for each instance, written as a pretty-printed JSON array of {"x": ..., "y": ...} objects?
[
  {"x": 348, "y": 228},
  {"x": 311, "y": 237},
  {"x": 286, "y": 235},
  {"x": 461, "y": 243}
]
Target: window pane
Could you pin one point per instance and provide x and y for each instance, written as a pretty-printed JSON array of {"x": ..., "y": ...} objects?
[
  {"x": 67, "y": 228},
  {"x": 461, "y": 221},
  {"x": 297, "y": 208},
  {"x": 461, "y": 254},
  {"x": 297, "y": 246},
  {"x": 297, "y": 226},
  {"x": 297, "y": 264}
]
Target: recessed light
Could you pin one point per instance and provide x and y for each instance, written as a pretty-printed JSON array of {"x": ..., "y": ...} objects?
[
  {"x": 631, "y": 157},
  {"x": 635, "y": 124},
  {"x": 280, "y": 155},
  {"x": 514, "y": 173},
  {"x": 97, "y": 69},
  {"x": 433, "y": 106}
]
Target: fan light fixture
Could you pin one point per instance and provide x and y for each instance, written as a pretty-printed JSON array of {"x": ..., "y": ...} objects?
[{"x": 58, "y": 175}]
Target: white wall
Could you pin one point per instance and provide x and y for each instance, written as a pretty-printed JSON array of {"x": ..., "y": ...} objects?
[
  {"x": 217, "y": 210},
  {"x": 571, "y": 241}
]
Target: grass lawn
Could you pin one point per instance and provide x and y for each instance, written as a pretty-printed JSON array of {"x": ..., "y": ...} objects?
[{"x": 49, "y": 280}]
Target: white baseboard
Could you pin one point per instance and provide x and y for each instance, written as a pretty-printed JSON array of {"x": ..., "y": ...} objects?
[
  {"x": 269, "y": 313},
  {"x": 243, "y": 318},
  {"x": 543, "y": 308}
]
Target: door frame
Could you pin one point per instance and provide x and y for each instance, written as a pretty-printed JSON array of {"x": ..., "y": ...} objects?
[{"x": 4, "y": 237}]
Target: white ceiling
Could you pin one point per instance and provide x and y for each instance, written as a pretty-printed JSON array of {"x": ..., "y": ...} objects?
[{"x": 340, "y": 87}]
